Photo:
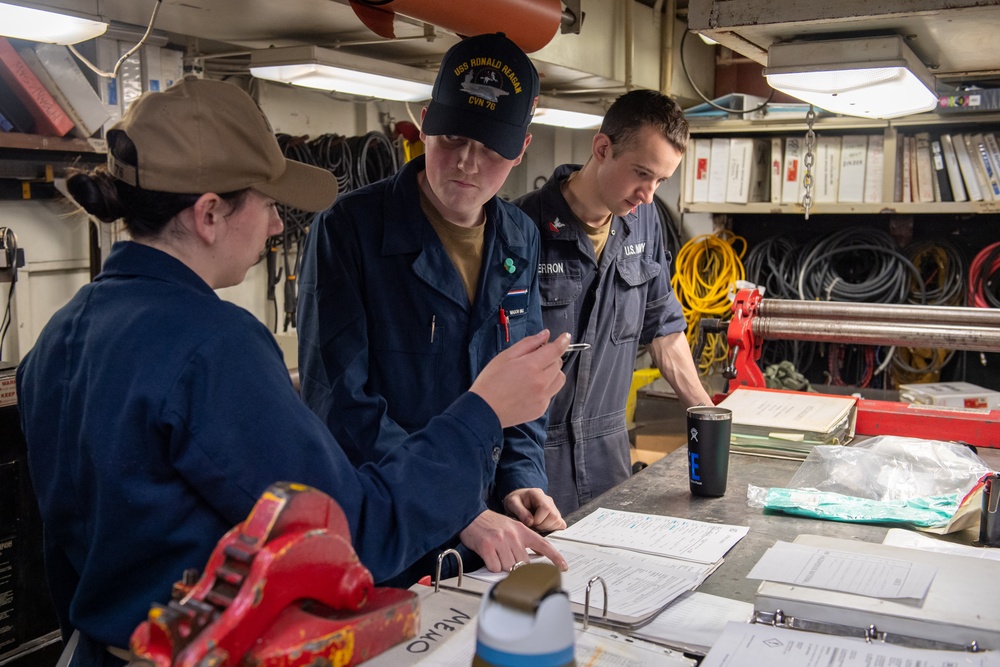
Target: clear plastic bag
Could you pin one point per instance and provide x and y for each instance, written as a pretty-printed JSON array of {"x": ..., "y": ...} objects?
[{"x": 886, "y": 479}]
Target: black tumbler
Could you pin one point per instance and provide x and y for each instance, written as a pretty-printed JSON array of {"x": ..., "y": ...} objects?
[
  {"x": 708, "y": 433},
  {"x": 989, "y": 518}
]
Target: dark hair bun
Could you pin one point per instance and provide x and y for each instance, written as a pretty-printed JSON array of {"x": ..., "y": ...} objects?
[{"x": 97, "y": 194}]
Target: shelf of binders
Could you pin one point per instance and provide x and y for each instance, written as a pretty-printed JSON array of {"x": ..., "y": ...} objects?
[{"x": 860, "y": 166}]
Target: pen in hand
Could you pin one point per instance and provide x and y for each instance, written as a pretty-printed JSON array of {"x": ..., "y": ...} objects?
[{"x": 575, "y": 347}]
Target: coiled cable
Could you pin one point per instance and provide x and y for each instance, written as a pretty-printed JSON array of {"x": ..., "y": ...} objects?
[
  {"x": 671, "y": 234},
  {"x": 355, "y": 162},
  {"x": 708, "y": 267},
  {"x": 942, "y": 273},
  {"x": 856, "y": 264},
  {"x": 984, "y": 278}
]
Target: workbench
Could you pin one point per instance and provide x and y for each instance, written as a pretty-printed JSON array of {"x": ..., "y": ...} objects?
[{"x": 663, "y": 489}]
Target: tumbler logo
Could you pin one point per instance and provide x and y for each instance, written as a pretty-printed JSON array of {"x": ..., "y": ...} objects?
[{"x": 695, "y": 477}]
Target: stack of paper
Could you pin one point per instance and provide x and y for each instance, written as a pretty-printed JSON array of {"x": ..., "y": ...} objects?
[
  {"x": 786, "y": 424},
  {"x": 646, "y": 562},
  {"x": 694, "y": 622}
]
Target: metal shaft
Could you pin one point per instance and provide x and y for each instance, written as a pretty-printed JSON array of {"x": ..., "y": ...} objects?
[
  {"x": 980, "y": 339},
  {"x": 880, "y": 312}
]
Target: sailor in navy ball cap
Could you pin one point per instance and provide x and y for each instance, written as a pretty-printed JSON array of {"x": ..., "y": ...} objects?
[
  {"x": 486, "y": 90},
  {"x": 411, "y": 285}
]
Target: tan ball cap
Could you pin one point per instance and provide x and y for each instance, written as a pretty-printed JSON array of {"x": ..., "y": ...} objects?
[{"x": 203, "y": 136}]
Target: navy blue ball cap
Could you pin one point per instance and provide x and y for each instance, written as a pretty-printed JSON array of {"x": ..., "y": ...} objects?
[{"x": 486, "y": 90}]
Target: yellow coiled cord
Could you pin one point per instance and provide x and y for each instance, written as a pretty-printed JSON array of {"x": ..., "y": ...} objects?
[{"x": 705, "y": 271}]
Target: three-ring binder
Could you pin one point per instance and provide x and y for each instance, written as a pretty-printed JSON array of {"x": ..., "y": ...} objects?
[
  {"x": 959, "y": 611},
  {"x": 869, "y": 633}
]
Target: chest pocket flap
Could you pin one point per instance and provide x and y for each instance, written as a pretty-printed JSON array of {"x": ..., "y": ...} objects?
[
  {"x": 630, "y": 298},
  {"x": 560, "y": 288},
  {"x": 636, "y": 271}
]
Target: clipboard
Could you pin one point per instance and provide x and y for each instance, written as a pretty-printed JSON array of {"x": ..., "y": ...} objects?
[{"x": 961, "y": 610}]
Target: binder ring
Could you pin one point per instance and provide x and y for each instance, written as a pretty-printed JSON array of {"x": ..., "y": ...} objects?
[
  {"x": 518, "y": 564},
  {"x": 871, "y": 634},
  {"x": 586, "y": 601},
  {"x": 441, "y": 557}
]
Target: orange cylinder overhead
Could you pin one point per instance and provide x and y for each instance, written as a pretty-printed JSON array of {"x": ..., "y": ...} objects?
[{"x": 531, "y": 24}]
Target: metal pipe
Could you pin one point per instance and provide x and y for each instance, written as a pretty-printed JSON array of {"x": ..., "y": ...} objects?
[
  {"x": 880, "y": 312},
  {"x": 531, "y": 24},
  {"x": 667, "y": 47},
  {"x": 629, "y": 43},
  {"x": 904, "y": 334}
]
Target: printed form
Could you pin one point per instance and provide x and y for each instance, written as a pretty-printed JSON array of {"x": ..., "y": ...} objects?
[
  {"x": 637, "y": 587},
  {"x": 856, "y": 573},
  {"x": 659, "y": 535}
]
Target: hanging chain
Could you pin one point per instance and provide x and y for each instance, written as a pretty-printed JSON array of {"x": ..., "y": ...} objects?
[{"x": 807, "y": 161}]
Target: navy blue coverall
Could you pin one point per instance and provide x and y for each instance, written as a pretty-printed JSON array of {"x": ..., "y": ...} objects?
[
  {"x": 615, "y": 305},
  {"x": 388, "y": 338},
  {"x": 156, "y": 414}
]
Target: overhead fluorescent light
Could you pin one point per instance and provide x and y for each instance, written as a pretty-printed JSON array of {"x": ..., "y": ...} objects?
[
  {"x": 26, "y": 21},
  {"x": 327, "y": 69},
  {"x": 871, "y": 77},
  {"x": 566, "y": 113}
]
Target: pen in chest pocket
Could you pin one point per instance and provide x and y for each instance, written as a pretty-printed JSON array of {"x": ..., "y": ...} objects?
[{"x": 505, "y": 323}]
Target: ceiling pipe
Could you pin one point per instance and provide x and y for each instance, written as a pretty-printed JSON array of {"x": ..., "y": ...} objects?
[
  {"x": 629, "y": 43},
  {"x": 531, "y": 24},
  {"x": 667, "y": 47}
]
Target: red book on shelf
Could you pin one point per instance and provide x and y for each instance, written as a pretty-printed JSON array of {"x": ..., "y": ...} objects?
[{"x": 49, "y": 117}]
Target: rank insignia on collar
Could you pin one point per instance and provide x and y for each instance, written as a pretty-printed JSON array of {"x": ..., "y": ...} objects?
[{"x": 556, "y": 225}]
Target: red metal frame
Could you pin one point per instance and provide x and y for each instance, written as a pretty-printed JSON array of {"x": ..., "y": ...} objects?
[
  {"x": 744, "y": 347},
  {"x": 980, "y": 428}
]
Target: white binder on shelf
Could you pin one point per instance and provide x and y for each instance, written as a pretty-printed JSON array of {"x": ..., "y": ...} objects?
[
  {"x": 961, "y": 607},
  {"x": 853, "y": 157},
  {"x": 874, "y": 169},
  {"x": 972, "y": 146},
  {"x": 905, "y": 167},
  {"x": 718, "y": 171},
  {"x": 793, "y": 171},
  {"x": 989, "y": 169},
  {"x": 689, "y": 164},
  {"x": 925, "y": 168},
  {"x": 748, "y": 171},
  {"x": 994, "y": 151},
  {"x": 827, "y": 175},
  {"x": 967, "y": 167},
  {"x": 777, "y": 166},
  {"x": 702, "y": 169},
  {"x": 954, "y": 171}
]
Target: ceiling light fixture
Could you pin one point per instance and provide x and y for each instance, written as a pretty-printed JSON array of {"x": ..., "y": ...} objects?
[
  {"x": 871, "y": 77},
  {"x": 26, "y": 21},
  {"x": 565, "y": 113},
  {"x": 327, "y": 69}
]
